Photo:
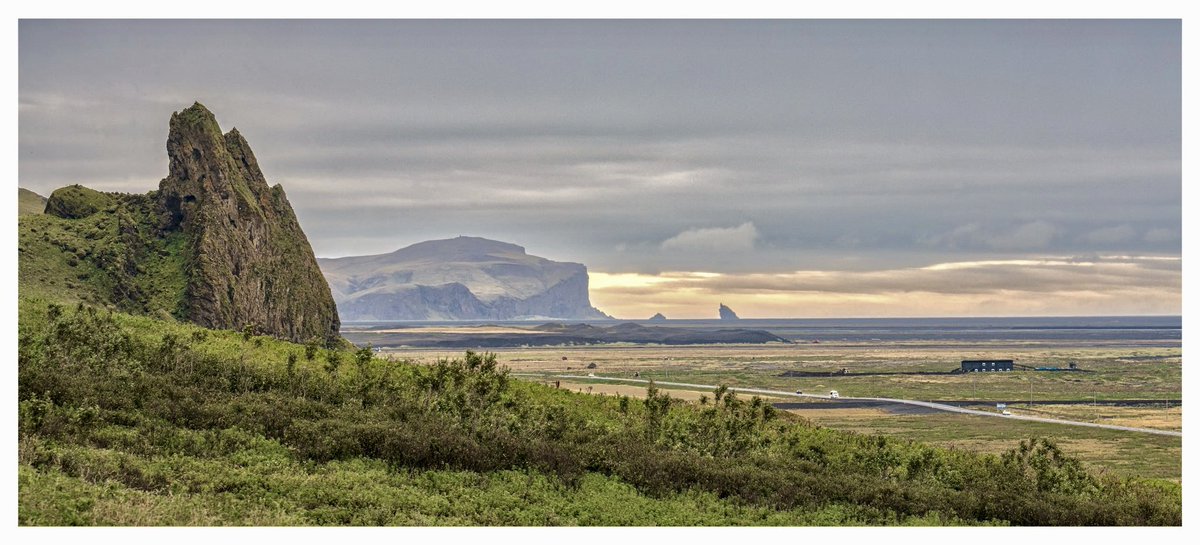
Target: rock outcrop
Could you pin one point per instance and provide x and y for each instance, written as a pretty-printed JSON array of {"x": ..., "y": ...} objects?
[
  {"x": 465, "y": 278},
  {"x": 76, "y": 201},
  {"x": 727, "y": 313},
  {"x": 248, "y": 261}
]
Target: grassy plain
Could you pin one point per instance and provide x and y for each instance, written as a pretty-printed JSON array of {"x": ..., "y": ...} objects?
[{"x": 1110, "y": 373}]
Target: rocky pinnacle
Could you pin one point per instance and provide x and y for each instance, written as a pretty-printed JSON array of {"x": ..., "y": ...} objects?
[{"x": 249, "y": 263}]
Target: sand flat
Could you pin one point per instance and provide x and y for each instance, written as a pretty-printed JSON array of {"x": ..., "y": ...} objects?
[{"x": 463, "y": 330}]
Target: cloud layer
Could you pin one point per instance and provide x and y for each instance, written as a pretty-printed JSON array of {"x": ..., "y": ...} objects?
[
  {"x": 714, "y": 239},
  {"x": 737, "y": 147}
]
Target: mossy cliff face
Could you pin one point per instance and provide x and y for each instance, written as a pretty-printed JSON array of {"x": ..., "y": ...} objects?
[{"x": 248, "y": 262}]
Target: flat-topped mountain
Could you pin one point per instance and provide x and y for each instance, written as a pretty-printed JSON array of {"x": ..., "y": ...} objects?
[
  {"x": 464, "y": 278},
  {"x": 215, "y": 245}
]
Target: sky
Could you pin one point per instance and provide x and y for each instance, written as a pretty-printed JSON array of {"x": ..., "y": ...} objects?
[{"x": 786, "y": 168}]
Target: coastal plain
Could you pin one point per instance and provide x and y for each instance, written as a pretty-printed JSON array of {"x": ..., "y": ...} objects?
[{"x": 1137, "y": 384}]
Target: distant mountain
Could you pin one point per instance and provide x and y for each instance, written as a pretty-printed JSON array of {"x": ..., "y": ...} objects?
[
  {"x": 29, "y": 202},
  {"x": 658, "y": 317},
  {"x": 727, "y": 313},
  {"x": 464, "y": 278}
]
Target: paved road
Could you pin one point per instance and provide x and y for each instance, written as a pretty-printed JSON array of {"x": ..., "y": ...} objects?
[{"x": 926, "y": 404}]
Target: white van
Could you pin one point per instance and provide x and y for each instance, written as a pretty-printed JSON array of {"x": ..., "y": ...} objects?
[{"x": 833, "y": 394}]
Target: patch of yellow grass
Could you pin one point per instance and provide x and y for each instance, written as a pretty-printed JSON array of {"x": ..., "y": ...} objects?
[
  {"x": 1137, "y": 417},
  {"x": 817, "y": 415},
  {"x": 629, "y": 390}
]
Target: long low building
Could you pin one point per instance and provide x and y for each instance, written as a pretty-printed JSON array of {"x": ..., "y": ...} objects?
[{"x": 973, "y": 366}]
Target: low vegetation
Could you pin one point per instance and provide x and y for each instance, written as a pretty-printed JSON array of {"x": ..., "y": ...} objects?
[
  {"x": 108, "y": 257},
  {"x": 130, "y": 420}
]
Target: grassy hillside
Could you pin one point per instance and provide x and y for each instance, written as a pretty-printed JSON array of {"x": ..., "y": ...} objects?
[
  {"x": 130, "y": 420},
  {"x": 29, "y": 202},
  {"x": 109, "y": 257}
]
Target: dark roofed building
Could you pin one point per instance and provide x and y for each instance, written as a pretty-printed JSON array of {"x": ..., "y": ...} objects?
[{"x": 971, "y": 366}]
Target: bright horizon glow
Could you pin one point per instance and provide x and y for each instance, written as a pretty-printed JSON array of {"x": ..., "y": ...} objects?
[{"x": 1048, "y": 286}]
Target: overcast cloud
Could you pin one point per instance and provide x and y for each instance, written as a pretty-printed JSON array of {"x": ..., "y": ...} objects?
[{"x": 740, "y": 148}]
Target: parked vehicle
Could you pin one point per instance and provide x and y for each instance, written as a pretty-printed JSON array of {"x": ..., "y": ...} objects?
[
  {"x": 833, "y": 394},
  {"x": 1005, "y": 413},
  {"x": 798, "y": 392}
]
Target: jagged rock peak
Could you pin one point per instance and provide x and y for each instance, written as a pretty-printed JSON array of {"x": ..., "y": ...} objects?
[
  {"x": 727, "y": 313},
  {"x": 251, "y": 263},
  {"x": 76, "y": 201}
]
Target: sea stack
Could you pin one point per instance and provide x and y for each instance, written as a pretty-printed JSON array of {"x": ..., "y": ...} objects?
[
  {"x": 727, "y": 313},
  {"x": 250, "y": 263}
]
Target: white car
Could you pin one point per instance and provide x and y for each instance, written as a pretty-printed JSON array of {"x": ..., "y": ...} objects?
[
  {"x": 833, "y": 394},
  {"x": 1005, "y": 413}
]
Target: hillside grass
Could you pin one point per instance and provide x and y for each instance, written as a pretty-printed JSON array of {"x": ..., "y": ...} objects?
[
  {"x": 29, "y": 202},
  {"x": 128, "y": 420},
  {"x": 111, "y": 258}
]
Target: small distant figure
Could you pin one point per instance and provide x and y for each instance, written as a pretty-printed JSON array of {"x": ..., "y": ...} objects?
[
  {"x": 556, "y": 384},
  {"x": 636, "y": 374},
  {"x": 564, "y": 358}
]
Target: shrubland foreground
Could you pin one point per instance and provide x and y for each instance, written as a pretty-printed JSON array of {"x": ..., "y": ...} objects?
[{"x": 132, "y": 420}]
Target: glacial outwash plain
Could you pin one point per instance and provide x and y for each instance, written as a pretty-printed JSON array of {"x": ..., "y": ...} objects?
[{"x": 181, "y": 361}]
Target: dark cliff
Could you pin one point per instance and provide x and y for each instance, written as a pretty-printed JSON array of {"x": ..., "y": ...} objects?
[{"x": 248, "y": 262}]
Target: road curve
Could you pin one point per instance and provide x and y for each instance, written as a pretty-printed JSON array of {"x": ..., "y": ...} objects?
[{"x": 927, "y": 404}]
